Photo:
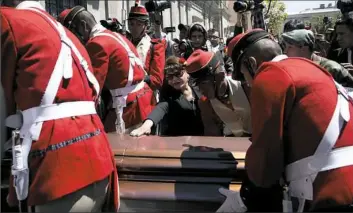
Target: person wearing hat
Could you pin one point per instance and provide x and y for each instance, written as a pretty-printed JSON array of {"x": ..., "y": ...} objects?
[
  {"x": 302, "y": 132},
  {"x": 300, "y": 43},
  {"x": 117, "y": 68},
  {"x": 150, "y": 51},
  {"x": 225, "y": 96},
  {"x": 62, "y": 159}
]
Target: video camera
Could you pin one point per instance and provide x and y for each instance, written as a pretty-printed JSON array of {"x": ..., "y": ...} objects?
[
  {"x": 112, "y": 25},
  {"x": 115, "y": 26},
  {"x": 169, "y": 29},
  {"x": 241, "y": 6},
  {"x": 345, "y": 6},
  {"x": 157, "y": 6}
]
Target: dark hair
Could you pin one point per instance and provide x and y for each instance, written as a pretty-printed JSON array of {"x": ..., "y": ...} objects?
[
  {"x": 289, "y": 26},
  {"x": 300, "y": 26},
  {"x": 345, "y": 21},
  {"x": 293, "y": 25},
  {"x": 173, "y": 64},
  {"x": 197, "y": 27},
  {"x": 183, "y": 27}
]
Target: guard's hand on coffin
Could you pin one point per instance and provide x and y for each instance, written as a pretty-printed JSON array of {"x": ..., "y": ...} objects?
[{"x": 233, "y": 202}]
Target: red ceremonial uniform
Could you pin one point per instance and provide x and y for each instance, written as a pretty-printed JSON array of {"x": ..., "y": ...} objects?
[
  {"x": 292, "y": 103},
  {"x": 151, "y": 51},
  {"x": 111, "y": 63},
  {"x": 30, "y": 46}
]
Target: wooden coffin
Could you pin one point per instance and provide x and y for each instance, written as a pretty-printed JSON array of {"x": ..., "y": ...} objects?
[
  {"x": 164, "y": 174},
  {"x": 177, "y": 173}
]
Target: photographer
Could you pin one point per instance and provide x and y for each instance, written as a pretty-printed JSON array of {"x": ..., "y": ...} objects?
[
  {"x": 158, "y": 34},
  {"x": 155, "y": 9},
  {"x": 249, "y": 14},
  {"x": 242, "y": 8}
]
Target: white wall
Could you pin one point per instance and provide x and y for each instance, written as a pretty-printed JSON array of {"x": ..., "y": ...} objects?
[
  {"x": 225, "y": 25},
  {"x": 42, "y": 2},
  {"x": 97, "y": 8},
  {"x": 183, "y": 17},
  {"x": 115, "y": 9},
  {"x": 174, "y": 19},
  {"x": 195, "y": 11}
]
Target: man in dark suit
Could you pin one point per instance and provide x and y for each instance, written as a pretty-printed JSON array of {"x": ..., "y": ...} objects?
[{"x": 343, "y": 55}]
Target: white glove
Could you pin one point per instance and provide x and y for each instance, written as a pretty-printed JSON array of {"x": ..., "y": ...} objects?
[
  {"x": 145, "y": 129},
  {"x": 233, "y": 202},
  {"x": 140, "y": 131}
]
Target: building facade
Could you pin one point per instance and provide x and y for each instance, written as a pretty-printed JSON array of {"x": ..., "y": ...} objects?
[
  {"x": 308, "y": 14},
  {"x": 211, "y": 13}
]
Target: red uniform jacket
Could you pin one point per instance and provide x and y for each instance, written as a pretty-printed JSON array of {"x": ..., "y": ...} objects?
[
  {"x": 292, "y": 103},
  {"x": 152, "y": 54},
  {"x": 111, "y": 65},
  {"x": 29, "y": 50}
]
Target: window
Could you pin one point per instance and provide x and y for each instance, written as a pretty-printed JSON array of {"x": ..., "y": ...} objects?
[{"x": 55, "y": 7}]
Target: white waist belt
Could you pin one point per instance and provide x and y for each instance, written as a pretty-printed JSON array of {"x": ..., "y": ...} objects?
[
  {"x": 33, "y": 119},
  {"x": 302, "y": 173},
  {"x": 337, "y": 158},
  {"x": 49, "y": 112},
  {"x": 127, "y": 90},
  {"x": 350, "y": 91}
]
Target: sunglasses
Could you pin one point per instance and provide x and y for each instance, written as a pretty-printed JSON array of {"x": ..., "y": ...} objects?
[{"x": 177, "y": 74}]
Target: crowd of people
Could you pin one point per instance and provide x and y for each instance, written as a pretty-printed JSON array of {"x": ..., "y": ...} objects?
[{"x": 68, "y": 81}]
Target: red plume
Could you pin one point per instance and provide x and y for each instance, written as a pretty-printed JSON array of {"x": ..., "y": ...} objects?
[
  {"x": 182, "y": 60},
  {"x": 137, "y": 2}
]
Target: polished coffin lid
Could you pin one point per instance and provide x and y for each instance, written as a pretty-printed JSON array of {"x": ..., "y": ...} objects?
[
  {"x": 179, "y": 173},
  {"x": 184, "y": 168}
]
